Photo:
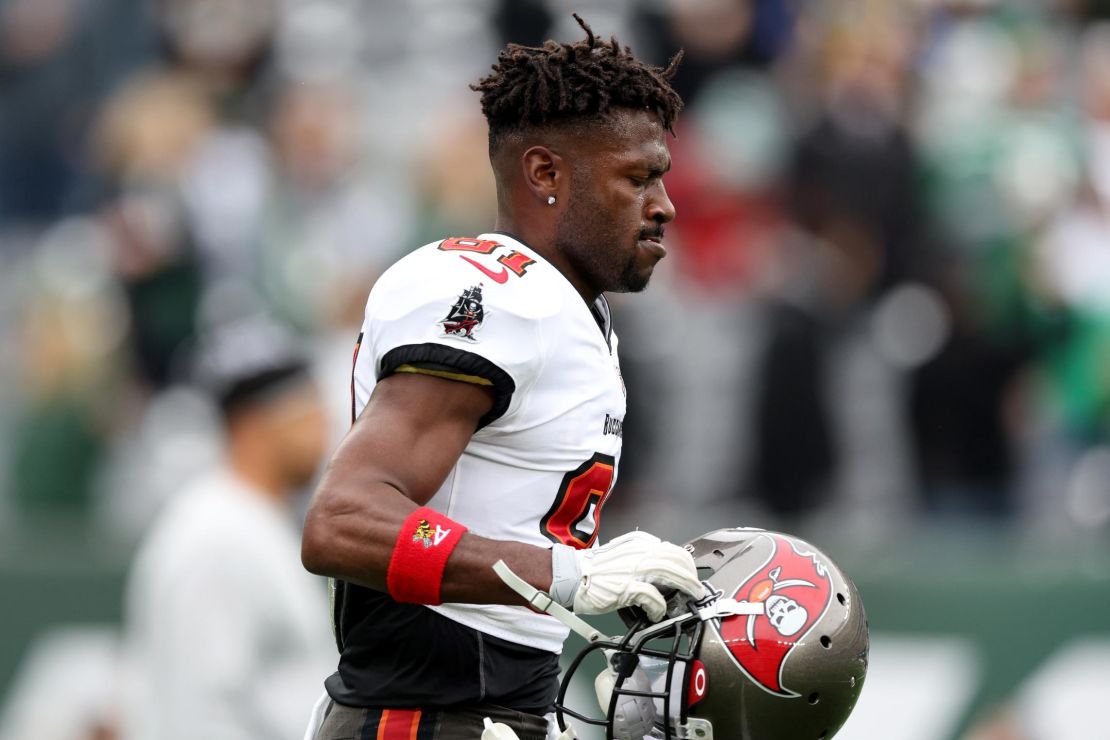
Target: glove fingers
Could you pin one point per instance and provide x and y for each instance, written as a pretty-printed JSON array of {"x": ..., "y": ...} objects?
[
  {"x": 632, "y": 570},
  {"x": 692, "y": 589},
  {"x": 647, "y": 597},
  {"x": 671, "y": 567}
]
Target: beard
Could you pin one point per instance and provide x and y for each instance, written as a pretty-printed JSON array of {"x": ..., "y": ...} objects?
[
  {"x": 631, "y": 279},
  {"x": 598, "y": 251}
]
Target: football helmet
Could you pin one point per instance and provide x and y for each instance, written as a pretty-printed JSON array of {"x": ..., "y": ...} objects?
[{"x": 775, "y": 649}]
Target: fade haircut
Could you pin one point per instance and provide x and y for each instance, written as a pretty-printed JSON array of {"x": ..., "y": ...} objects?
[{"x": 535, "y": 86}]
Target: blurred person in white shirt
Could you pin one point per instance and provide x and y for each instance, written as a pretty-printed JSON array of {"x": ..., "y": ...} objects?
[{"x": 225, "y": 633}]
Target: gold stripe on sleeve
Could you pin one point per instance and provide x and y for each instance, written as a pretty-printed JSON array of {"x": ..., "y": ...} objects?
[{"x": 461, "y": 377}]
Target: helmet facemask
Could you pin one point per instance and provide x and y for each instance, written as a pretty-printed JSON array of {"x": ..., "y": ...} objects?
[{"x": 652, "y": 677}]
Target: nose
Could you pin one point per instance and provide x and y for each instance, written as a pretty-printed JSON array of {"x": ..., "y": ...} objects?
[{"x": 660, "y": 209}]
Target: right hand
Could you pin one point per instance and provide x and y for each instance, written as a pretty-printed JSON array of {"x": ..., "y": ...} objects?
[{"x": 632, "y": 570}]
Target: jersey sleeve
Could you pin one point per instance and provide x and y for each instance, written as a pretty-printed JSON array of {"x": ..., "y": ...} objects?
[{"x": 437, "y": 315}]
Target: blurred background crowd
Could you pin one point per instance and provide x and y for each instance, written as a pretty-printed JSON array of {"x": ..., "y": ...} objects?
[
  {"x": 886, "y": 284},
  {"x": 886, "y": 305}
]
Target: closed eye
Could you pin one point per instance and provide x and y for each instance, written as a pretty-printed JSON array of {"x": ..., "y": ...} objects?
[{"x": 646, "y": 180}]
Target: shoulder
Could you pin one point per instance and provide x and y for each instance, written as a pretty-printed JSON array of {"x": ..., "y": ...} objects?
[{"x": 442, "y": 271}]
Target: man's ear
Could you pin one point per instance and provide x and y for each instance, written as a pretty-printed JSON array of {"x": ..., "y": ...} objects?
[{"x": 545, "y": 172}]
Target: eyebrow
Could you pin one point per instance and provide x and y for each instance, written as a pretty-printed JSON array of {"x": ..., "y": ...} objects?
[
  {"x": 655, "y": 163},
  {"x": 654, "y": 168}
]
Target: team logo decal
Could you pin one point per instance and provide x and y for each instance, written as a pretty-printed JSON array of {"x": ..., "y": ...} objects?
[
  {"x": 795, "y": 591},
  {"x": 427, "y": 536},
  {"x": 466, "y": 315}
]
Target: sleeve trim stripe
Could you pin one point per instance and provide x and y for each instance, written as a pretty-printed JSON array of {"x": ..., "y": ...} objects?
[
  {"x": 472, "y": 379},
  {"x": 452, "y": 359}
]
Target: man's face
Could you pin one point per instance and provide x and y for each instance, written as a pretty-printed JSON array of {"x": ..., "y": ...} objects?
[
  {"x": 296, "y": 424},
  {"x": 612, "y": 229}
]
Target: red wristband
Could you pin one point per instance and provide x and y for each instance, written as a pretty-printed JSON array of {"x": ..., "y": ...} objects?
[{"x": 415, "y": 574}]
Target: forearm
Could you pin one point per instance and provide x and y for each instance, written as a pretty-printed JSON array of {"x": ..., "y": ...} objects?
[
  {"x": 352, "y": 538},
  {"x": 469, "y": 577},
  {"x": 358, "y": 542},
  {"x": 350, "y": 529}
]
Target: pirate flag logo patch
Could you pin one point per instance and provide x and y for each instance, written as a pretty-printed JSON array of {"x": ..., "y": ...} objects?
[
  {"x": 466, "y": 315},
  {"x": 795, "y": 590}
]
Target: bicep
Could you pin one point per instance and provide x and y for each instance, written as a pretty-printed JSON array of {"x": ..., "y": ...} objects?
[{"x": 413, "y": 430}]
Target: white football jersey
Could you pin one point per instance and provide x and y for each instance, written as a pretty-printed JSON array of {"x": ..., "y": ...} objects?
[{"x": 539, "y": 468}]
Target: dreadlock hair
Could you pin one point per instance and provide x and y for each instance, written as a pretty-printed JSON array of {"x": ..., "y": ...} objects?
[{"x": 556, "y": 83}]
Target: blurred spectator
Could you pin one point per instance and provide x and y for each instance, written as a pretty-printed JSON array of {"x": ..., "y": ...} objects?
[
  {"x": 853, "y": 181},
  {"x": 453, "y": 184},
  {"x": 148, "y": 136},
  {"x": 70, "y": 325},
  {"x": 728, "y": 163},
  {"x": 55, "y": 65},
  {"x": 1072, "y": 266},
  {"x": 1000, "y": 158},
  {"x": 224, "y": 45},
  {"x": 852, "y": 192},
  {"x": 725, "y": 182},
  {"x": 226, "y": 635},
  {"x": 716, "y": 35},
  {"x": 329, "y": 224},
  {"x": 522, "y": 21},
  {"x": 34, "y": 37},
  {"x": 182, "y": 168}
]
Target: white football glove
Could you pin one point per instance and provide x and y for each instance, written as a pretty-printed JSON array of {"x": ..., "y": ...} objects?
[{"x": 628, "y": 571}]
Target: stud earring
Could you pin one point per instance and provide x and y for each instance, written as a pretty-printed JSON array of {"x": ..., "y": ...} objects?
[{"x": 551, "y": 200}]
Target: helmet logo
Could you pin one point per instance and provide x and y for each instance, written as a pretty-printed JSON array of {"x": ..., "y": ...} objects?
[
  {"x": 786, "y": 615},
  {"x": 795, "y": 590}
]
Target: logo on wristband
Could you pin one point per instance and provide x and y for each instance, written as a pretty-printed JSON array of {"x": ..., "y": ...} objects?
[{"x": 427, "y": 536}]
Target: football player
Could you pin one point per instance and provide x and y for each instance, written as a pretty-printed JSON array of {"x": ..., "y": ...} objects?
[{"x": 489, "y": 405}]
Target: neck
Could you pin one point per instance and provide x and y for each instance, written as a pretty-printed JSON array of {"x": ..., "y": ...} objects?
[{"x": 541, "y": 239}]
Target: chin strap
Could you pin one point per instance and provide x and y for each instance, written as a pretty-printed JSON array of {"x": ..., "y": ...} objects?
[
  {"x": 541, "y": 601},
  {"x": 729, "y": 608}
]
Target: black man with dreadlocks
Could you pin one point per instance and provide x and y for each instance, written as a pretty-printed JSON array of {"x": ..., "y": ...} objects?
[{"x": 488, "y": 408}]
